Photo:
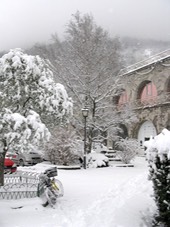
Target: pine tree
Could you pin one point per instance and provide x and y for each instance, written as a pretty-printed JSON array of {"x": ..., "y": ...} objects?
[
  {"x": 160, "y": 175},
  {"x": 158, "y": 156}
]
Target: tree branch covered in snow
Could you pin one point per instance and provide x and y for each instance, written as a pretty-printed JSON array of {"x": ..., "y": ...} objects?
[
  {"x": 20, "y": 132},
  {"x": 158, "y": 146},
  {"x": 87, "y": 62},
  {"x": 63, "y": 147},
  {"x": 31, "y": 102},
  {"x": 30, "y": 99},
  {"x": 27, "y": 83},
  {"x": 127, "y": 149}
]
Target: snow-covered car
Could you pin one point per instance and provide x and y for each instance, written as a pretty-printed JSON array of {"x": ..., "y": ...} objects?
[
  {"x": 25, "y": 159},
  {"x": 9, "y": 166}
]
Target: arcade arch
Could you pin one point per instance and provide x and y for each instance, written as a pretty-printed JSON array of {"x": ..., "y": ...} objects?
[
  {"x": 147, "y": 92},
  {"x": 146, "y": 130},
  {"x": 123, "y": 98},
  {"x": 123, "y": 133},
  {"x": 168, "y": 85}
]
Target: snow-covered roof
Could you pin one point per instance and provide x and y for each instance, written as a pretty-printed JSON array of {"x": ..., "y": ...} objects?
[{"x": 149, "y": 61}]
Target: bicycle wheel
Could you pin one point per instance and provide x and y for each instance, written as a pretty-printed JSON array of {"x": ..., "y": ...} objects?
[
  {"x": 51, "y": 197},
  {"x": 58, "y": 187}
]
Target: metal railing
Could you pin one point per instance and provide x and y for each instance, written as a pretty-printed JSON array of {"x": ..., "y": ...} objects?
[
  {"x": 18, "y": 194},
  {"x": 19, "y": 185},
  {"x": 153, "y": 59}
]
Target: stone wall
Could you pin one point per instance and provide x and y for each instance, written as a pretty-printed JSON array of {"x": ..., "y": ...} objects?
[{"x": 158, "y": 111}]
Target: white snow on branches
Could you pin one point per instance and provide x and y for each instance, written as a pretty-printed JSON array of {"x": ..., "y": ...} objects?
[
  {"x": 23, "y": 76},
  {"x": 28, "y": 95},
  {"x": 159, "y": 145},
  {"x": 23, "y": 129}
]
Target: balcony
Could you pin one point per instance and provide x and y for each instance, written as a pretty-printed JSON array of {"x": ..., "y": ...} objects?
[
  {"x": 163, "y": 99},
  {"x": 153, "y": 101}
]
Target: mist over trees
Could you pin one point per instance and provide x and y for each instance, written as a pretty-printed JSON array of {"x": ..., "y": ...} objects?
[
  {"x": 87, "y": 62},
  {"x": 135, "y": 50}
]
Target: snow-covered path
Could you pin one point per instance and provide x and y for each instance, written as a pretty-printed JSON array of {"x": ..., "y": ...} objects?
[{"x": 106, "y": 197}]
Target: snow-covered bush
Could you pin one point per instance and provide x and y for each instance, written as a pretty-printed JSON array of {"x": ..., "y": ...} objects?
[
  {"x": 99, "y": 148},
  {"x": 63, "y": 148},
  {"x": 158, "y": 156},
  {"x": 95, "y": 160},
  {"x": 127, "y": 149}
]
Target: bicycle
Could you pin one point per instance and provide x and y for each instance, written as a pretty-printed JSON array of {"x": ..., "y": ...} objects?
[{"x": 49, "y": 188}]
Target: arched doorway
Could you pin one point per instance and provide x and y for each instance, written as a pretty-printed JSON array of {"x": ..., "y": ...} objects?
[
  {"x": 146, "y": 130},
  {"x": 123, "y": 132}
]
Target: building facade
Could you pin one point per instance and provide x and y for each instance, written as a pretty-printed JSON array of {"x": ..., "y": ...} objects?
[{"x": 146, "y": 88}]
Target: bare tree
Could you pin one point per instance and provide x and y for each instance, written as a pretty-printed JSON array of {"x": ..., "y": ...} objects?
[
  {"x": 87, "y": 62},
  {"x": 64, "y": 148},
  {"x": 127, "y": 149}
]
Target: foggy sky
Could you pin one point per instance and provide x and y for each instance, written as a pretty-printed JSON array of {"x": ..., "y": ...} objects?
[{"x": 25, "y": 22}]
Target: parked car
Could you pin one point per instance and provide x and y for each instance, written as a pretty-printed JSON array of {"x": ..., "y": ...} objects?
[
  {"x": 9, "y": 166},
  {"x": 25, "y": 159}
]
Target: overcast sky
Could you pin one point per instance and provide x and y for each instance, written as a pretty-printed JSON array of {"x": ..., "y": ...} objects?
[{"x": 25, "y": 22}]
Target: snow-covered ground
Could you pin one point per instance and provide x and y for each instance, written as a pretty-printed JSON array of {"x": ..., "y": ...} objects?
[{"x": 102, "y": 197}]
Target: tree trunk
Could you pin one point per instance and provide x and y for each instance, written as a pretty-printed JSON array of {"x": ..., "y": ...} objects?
[{"x": 2, "y": 157}]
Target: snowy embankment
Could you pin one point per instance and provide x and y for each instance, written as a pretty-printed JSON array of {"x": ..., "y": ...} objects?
[{"x": 105, "y": 197}]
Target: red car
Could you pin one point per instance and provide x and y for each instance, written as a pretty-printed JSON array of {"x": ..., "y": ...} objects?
[{"x": 9, "y": 166}]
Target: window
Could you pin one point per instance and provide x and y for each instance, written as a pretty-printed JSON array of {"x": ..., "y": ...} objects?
[
  {"x": 149, "y": 93},
  {"x": 123, "y": 99}
]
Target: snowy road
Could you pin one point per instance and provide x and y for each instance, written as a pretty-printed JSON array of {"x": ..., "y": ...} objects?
[{"x": 106, "y": 197}]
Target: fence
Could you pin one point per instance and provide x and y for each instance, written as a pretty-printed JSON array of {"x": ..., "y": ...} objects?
[{"x": 19, "y": 185}]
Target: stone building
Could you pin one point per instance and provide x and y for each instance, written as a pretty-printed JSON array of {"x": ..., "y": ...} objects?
[{"x": 146, "y": 87}]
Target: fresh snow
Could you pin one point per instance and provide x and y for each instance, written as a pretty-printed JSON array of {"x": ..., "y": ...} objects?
[
  {"x": 159, "y": 145},
  {"x": 27, "y": 85},
  {"x": 95, "y": 197}
]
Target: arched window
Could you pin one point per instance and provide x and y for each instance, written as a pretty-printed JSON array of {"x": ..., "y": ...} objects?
[
  {"x": 123, "y": 99},
  {"x": 168, "y": 87},
  {"x": 148, "y": 93}
]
